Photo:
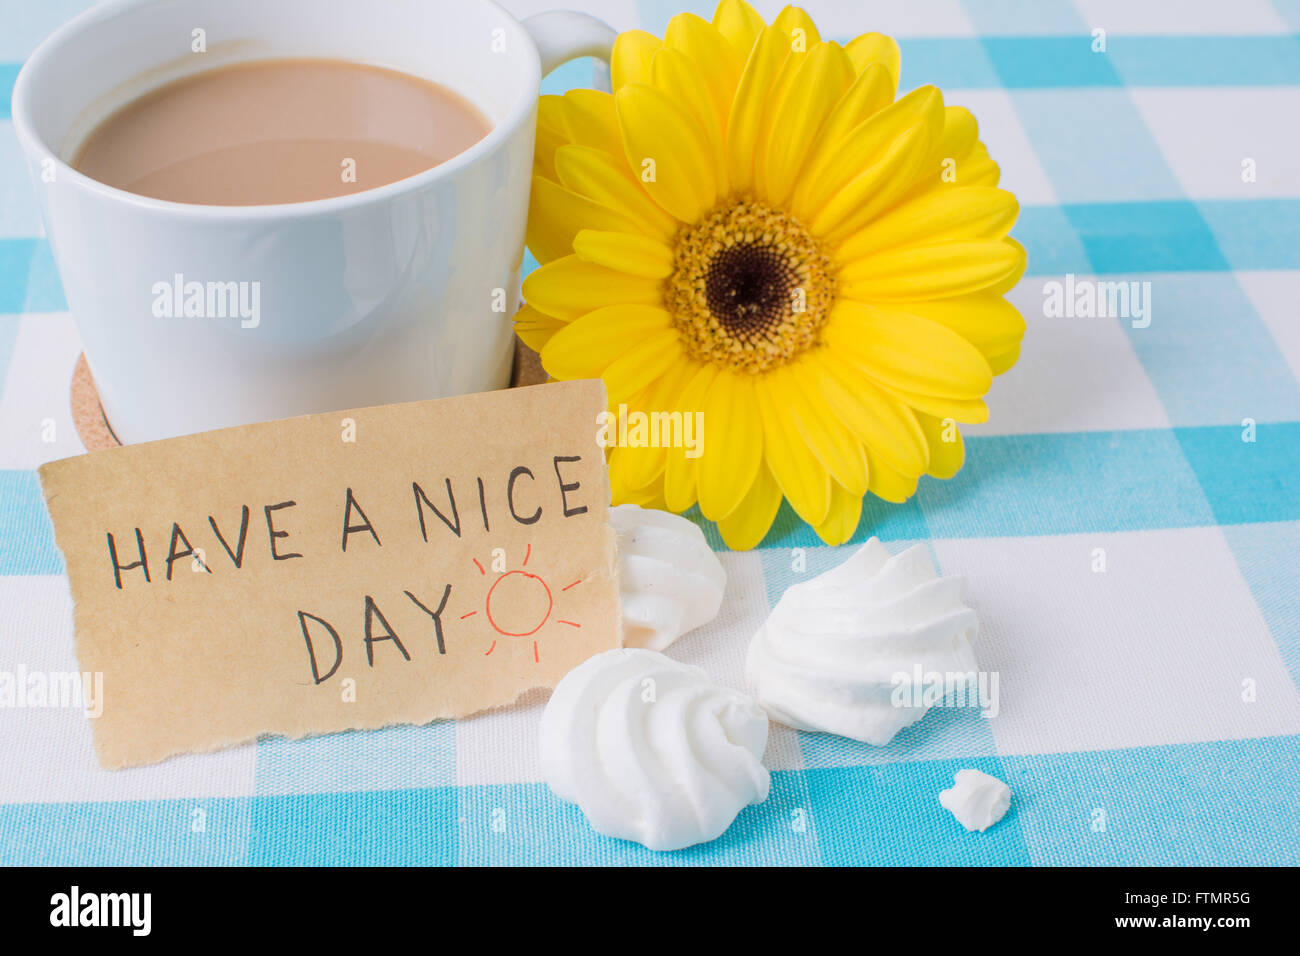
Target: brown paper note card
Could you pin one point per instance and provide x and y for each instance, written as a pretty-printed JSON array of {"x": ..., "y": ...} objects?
[{"x": 354, "y": 569}]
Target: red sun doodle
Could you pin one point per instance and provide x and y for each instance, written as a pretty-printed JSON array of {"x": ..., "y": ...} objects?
[
  {"x": 519, "y": 604},
  {"x": 522, "y": 581}
]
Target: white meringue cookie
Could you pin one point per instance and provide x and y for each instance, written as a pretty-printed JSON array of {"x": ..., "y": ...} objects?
[
  {"x": 829, "y": 654},
  {"x": 670, "y": 581},
  {"x": 652, "y": 750},
  {"x": 978, "y": 800}
]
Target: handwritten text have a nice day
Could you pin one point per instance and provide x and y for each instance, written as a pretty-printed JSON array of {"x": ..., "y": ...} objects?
[{"x": 524, "y": 498}]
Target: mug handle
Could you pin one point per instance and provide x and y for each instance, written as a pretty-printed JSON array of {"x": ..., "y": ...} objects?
[{"x": 563, "y": 35}]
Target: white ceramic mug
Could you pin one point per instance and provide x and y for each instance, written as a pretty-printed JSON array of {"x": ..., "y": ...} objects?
[{"x": 398, "y": 293}]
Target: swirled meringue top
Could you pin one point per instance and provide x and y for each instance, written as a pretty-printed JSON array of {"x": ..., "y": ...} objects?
[
  {"x": 652, "y": 750},
  {"x": 831, "y": 654},
  {"x": 670, "y": 581}
]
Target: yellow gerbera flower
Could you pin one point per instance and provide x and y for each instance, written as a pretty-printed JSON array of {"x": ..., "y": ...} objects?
[{"x": 751, "y": 227}]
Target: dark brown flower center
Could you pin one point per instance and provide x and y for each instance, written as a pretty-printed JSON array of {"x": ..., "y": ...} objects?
[{"x": 749, "y": 288}]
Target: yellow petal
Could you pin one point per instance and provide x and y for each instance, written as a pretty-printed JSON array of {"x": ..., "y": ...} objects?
[
  {"x": 960, "y": 132},
  {"x": 634, "y": 254},
  {"x": 587, "y": 346},
  {"x": 668, "y": 149},
  {"x": 551, "y": 116},
  {"x": 876, "y": 189},
  {"x": 917, "y": 118},
  {"x": 908, "y": 352},
  {"x": 632, "y": 458},
  {"x": 681, "y": 472},
  {"x": 838, "y": 449},
  {"x": 629, "y": 61},
  {"x": 605, "y": 180},
  {"x": 746, "y": 117},
  {"x": 978, "y": 212},
  {"x": 802, "y": 478},
  {"x": 793, "y": 18},
  {"x": 971, "y": 411},
  {"x": 1002, "y": 361},
  {"x": 678, "y": 78},
  {"x": 1008, "y": 282},
  {"x": 794, "y": 120},
  {"x": 842, "y": 518},
  {"x": 934, "y": 270},
  {"x": 989, "y": 322},
  {"x": 886, "y": 426},
  {"x": 569, "y": 287},
  {"x": 549, "y": 139},
  {"x": 579, "y": 117},
  {"x": 947, "y": 450},
  {"x": 745, "y": 527},
  {"x": 739, "y": 25},
  {"x": 590, "y": 119},
  {"x": 555, "y": 214},
  {"x": 949, "y": 168},
  {"x": 536, "y": 328},
  {"x": 659, "y": 402},
  {"x": 870, "y": 92},
  {"x": 779, "y": 90},
  {"x": 956, "y": 156},
  {"x": 872, "y": 48},
  {"x": 711, "y": 57},
  {"x": 640, "y": 366},
  {"x": 888, "y": 484},
  {"x": 977, "y": 169},
  {"x": 622, "y": 493},
  {"x": 618, "y": 486},
  {"x": 732, "y": 444}
]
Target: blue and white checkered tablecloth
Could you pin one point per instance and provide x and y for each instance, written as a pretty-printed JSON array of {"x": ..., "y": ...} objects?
[{"x": 1134, "y": 559}]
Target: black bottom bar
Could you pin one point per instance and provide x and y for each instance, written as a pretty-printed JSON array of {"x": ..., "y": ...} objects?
[{"x": 307, "y": 905}]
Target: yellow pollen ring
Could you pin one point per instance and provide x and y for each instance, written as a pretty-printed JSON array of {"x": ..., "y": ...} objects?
[{"x": 750, "y": 288}]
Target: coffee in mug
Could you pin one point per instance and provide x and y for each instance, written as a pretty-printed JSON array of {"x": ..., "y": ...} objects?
[{"x": 279, "y": 131}]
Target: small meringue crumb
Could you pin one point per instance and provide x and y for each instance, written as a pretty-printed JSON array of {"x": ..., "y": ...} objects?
[{"x": 977, "y": 801}]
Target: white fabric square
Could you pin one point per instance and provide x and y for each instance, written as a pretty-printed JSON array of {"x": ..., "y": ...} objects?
[
  {"x": 619, "y": 14},
  {"x": 500, "y": 746},
  {"x": 1207, "y": 134},
  {"x": 1025, "y": 18},
  {"x": 35, "y": 414},
  {"x": 26, "y": 25},
  {"x": 916, "y": 18},
  {"x": 1000, "y": 130},
  {"x": 1276, "y": 297},
  {"x": 46, "y": 752},
  {"x": 1155, "y": 650},
  {"x": 1074, "y": 374},
  {"x": 20, "y": 216},
  {"x": 1185, "y": 17}
]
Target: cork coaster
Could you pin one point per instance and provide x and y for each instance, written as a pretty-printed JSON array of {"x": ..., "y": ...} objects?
[
  {"x": 87, "y": 414},
  {"x": 96, "y": 433}
]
